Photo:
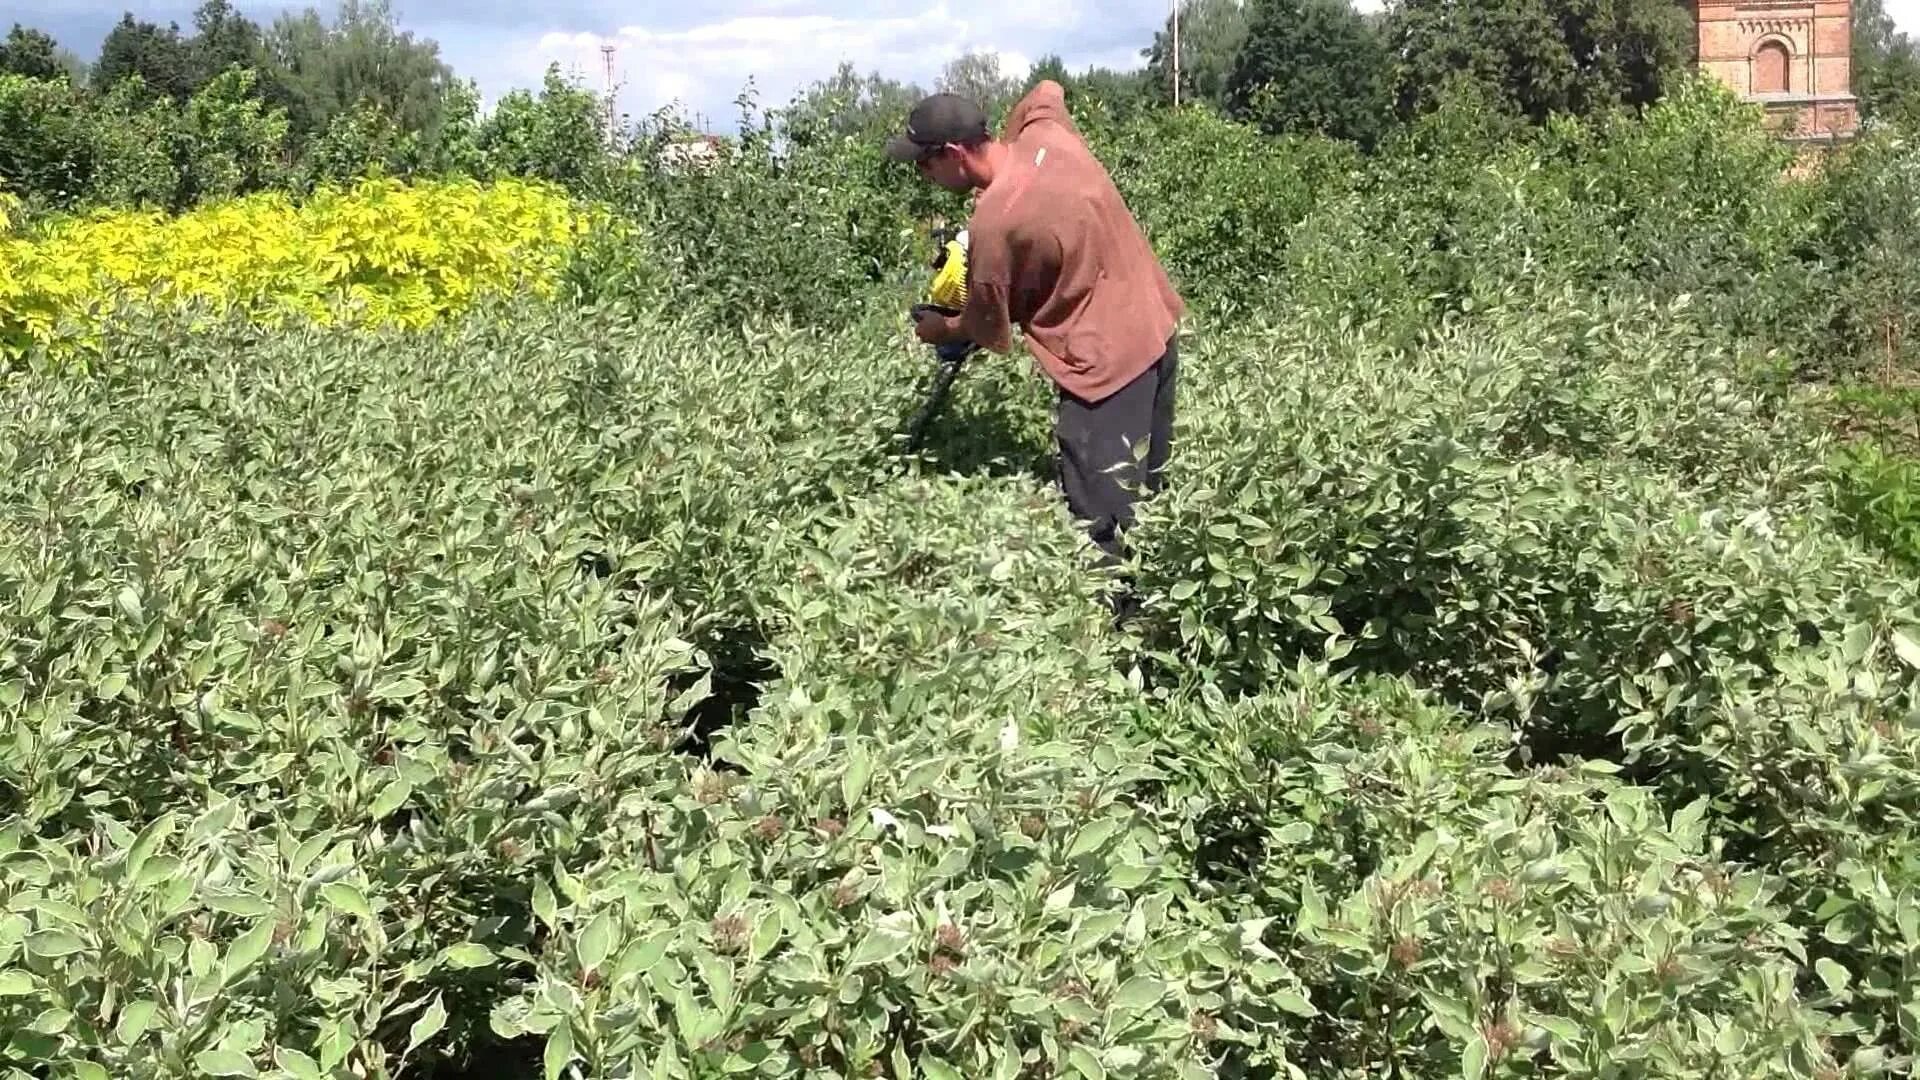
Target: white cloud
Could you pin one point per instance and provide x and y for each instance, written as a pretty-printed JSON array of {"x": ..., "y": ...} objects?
[
  {"x": 1905, "y": 15},
  {"x": 783, "y": 45}
]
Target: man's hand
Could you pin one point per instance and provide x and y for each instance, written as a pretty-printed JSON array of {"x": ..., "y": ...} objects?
[{"x": 933, "y": 328}]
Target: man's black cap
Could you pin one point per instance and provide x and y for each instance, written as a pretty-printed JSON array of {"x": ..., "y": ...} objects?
[{"x": 936, "y": 121}]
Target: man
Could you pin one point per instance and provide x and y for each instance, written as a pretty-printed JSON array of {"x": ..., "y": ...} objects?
[{"x": 1053, "y": 249}]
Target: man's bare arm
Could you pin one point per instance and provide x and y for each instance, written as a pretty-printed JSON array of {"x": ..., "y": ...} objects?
[{"x": 985, "y": 321}]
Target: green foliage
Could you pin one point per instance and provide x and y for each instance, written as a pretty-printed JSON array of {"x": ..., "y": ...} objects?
[
  {"x": 158, "y": 59},
  {"x": 1310, "y": 66},
  {"x": 132, "y": 152},
  {"x": 848, "y": 103},
  {"x": 1452, "y": 916},
  {"x": 1538, "y": 58},
  {"x": 1871, "y": 233},
  {"x": 977, "y": 77},
  {"x": 304, "y": 780},
  {"x": 1097, "y": 96},
  {"x": 1212, "y": 33},
  {"x": 560, "y": 137},
  {"x": 45, "y": 139},
  {"x": 359, "y": 61},
  {"x": 428, "y": 700},
  {"x": 1372, "y": 493},
  {"x": 955, "y": 840},
  {"x": 792, "y": 222},
  {"x": 363, "y": 142},
  {"x": 1517, "y": 692},
  {"x": 32, "y": 54},
  {"x": 1886, "y": 67},
  {"x": 224, "y": 39},
  {"x": 1879, "y": 492},
  {"x": 70, "y": 150},
  {"x": 170, "y": 119},
  {"x": 1222, "y": 204},
  {"x": 1513, "y": 459},
  {"x": 227, "y": 145}
]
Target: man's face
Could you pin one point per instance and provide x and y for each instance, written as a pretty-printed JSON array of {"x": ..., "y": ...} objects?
[{"x": 947, "y": 168}]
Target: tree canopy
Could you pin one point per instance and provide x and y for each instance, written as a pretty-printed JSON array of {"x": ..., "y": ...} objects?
[
  {"x": 1310, "y": 65},
  {"x": 1211, "y": 35},
  {"x": 1539, "y": 56},
  {"x": 31, "y": 53}
]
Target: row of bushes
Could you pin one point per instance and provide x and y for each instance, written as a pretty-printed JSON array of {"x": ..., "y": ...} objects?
[
  {"x": 1592, "y": 526},
  {"x": 377, "y": 254},
  {"x": 1693, "y": 197},
  {"x": 588, "y": 681},
  {"x": 801, "y": 221},
  {"x": 1806, "y": 268},
  {"x": 585, "y": 686},
  {"x": 806, "y": 225},
  {"x": 66, "y": 148}
]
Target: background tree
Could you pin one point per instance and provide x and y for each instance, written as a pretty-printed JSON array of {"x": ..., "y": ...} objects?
[
  {"x": 1886, "y": 66},
  {"x": 1050, "y": 66},
  {"x": 362, "y": 64},
  {"x": 31, "y": 53},
  {"x": 1096, "y": 91},
  {"x": 849, "y": 103},
  {"x": 1211, "y": 33},
  {"x": 223, "y": 39},
  {"x": 226, "y": 143},
  {"x": 77, "y": 71},
  {"x": 1538, "y": 56},
  {"x": 1310, "y": 65},
  {"x": 1626, "y": 51},
  {"x": 159, "y": 57},
  {"x": 1119, "y": 93},
  {"x": 977, "y": 75},
  {"x": 559, "y": 136},
  {"x": 46, "y": 152}
]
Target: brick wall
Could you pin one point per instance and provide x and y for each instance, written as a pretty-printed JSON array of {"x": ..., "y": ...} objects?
[{"x": 1818, "y": 37}]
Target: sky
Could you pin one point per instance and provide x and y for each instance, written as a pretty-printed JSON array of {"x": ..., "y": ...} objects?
[{"x": 699, "y": 57}]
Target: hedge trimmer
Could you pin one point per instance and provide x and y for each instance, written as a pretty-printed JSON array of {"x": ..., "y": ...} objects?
[{"x": 946, "y": 296}]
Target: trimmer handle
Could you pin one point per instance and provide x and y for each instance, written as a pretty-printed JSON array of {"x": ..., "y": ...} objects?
[{"x": 953, "y": 352}]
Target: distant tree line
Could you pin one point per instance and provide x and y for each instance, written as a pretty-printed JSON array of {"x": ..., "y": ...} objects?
[
  {"x": 313, "y": 69},
  {"x": 1321, "y": 66},
  {"x": 167, "y": 117}
]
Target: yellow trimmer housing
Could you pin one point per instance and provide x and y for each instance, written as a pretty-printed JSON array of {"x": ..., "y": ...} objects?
[
  {"x": 949, "y": 288},
  {"x": 947, "y": 295}
]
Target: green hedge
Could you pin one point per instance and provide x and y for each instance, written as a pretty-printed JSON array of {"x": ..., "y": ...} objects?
[{"x": 591, "y": 685}]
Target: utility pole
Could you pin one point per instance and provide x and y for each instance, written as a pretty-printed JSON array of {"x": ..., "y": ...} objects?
[
  {"x": 606, "y": 56},
  {"x": 1176, "y": 54}
]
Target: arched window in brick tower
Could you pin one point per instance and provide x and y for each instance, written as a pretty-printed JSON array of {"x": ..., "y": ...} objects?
[{"x": 1770, "y": 65}]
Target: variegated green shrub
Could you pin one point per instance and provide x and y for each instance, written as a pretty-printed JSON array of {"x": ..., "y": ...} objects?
[
  {"x": 1614, "y": 540},
  {"x": 586, "y": 688},
  {"x": 1450, "y": 913},
  {"x": 929, "y": 863},
  {"x": 352, "y": 702}
]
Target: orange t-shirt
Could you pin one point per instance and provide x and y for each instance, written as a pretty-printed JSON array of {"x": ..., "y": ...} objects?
[{"x": 1053, "y": 248}]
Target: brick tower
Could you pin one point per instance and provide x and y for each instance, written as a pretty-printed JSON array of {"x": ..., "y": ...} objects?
[{"x": 1793, "y": 57}]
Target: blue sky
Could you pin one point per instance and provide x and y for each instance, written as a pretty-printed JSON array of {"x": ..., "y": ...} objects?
[
  {"x": 700, "y": 56},
  {"x": 697, "y": 55}
]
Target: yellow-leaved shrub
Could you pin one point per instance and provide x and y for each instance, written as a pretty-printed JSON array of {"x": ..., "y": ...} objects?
[{"x": 381, "y": 253}]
